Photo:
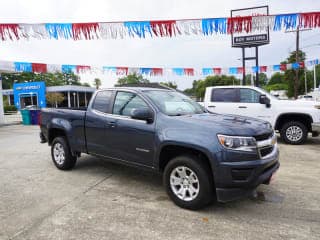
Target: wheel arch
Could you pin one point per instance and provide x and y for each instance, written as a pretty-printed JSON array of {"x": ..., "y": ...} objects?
[{"x": 304, "y": 118}]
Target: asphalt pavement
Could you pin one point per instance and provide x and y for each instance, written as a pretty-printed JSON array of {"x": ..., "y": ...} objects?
[{"x": 102, "y": 200}]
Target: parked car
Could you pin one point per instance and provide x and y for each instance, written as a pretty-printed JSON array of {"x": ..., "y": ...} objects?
[
  {"x": 202, "y": 156},
  {"x": 292, "y": 119}
]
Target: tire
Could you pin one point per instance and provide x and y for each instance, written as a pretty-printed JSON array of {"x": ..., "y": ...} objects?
[
  {"x": 294, "y": 133},
  {"x": 196, "y": 170},
  {"x": 61, "y": 154}
]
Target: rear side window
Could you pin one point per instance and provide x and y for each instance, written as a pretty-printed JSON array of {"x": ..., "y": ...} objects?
[
  {"x": 102, "y": 101},
  {"x": 224, "y": 95}
]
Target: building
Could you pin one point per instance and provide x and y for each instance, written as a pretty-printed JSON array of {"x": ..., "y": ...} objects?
[{"x": 74, "y": 96}]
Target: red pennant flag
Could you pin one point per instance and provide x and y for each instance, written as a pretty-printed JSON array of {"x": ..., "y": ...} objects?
[
  {"x": 39, "y": 67},
  {"x": 157, "y": 71},
  {"x": 217, "y": 71},
  {"x": 263, "y": 69},
  {"x": 9, "y": 31},
  {"x": 240, "y": 70},
  {"x": 163, "y": 28},
  {"x": 122, "y": 71},
  {"x": 88, "y": 30},
  {"x": 301, "y": 65},
  {"x": 189, "y": 71},
  {"x": 239, "y": 24},
  {"x": 81, "y": 68},
  {"x": 283, "y": 67}
]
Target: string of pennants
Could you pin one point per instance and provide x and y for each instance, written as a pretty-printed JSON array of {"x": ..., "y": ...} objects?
[
  {"x": 164, "y": 28},
  {"x": 7, "y": 66}
]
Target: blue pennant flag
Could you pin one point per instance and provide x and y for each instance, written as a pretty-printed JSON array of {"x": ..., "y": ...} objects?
[
  {"x": 289, "y": 21},
  {"x": 178, "y": 71},
  {"x": 59, "y": 30},
  {"x": 23, "y": 67},
  {"x": 207, "y": 71},
  {"x": 145, "y": 71},
  {"x": 233, "y": 70},
  {"x": 214, "y": 25},
  {"x": 138, "y": 28},
  {"x": 295, "y": 65},
  {"x": 109, "y": 69},
  {"x": 276, "y": 68},
  {"x": 255, "y": 69},
  {"x": 68, "y": 68}
]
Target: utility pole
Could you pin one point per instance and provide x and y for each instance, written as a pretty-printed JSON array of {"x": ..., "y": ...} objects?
[
  {"x": 314, "y": 77},
  {"x": 1, "y": 103},
  {"x": 296, "y": 80}
]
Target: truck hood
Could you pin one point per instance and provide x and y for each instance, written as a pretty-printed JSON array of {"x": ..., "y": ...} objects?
[{"x": 226, "y": 124}]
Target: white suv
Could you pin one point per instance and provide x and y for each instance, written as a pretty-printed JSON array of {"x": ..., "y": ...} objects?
[{"x": 293, "y": 119}]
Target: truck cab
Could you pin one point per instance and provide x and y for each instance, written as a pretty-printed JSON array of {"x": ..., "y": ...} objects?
[{"x": 292, "y": 119}]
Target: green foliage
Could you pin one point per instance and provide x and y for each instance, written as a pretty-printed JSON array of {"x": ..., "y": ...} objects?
[
  {"x": 263, "y": 79},
  {"x": 11, "y": 108},
  {"x": 276, "y": 86},
  {"x": 54, "y": 98},
  {"x": 277, "y": 78},
  {"x": 199, "y": 86},
  {"x": 132, "y": 79},
  {"x": 169, "y": 84},
  {"x": 51, "y": 79},
  {"x": 97, "y": 83}
]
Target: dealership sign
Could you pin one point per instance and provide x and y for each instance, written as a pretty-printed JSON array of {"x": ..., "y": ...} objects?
[
  {"x": 250, "y": 39},
  {"x": 36, "y": 89}
]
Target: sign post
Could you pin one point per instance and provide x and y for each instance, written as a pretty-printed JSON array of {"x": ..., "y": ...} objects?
[{"x": 248, "y": 40}]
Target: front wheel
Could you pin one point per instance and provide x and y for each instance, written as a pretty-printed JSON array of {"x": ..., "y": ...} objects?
[
  {"x": 188, "y": 182},
  {"x": 294, "y": 133},
  {"x": 61, "y": 154}
]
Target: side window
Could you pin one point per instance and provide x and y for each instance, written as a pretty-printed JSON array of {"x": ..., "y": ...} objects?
[
  {"x": 249, "y": 96},
  {"x": 102, "y": 101},
  {"x": 125, "y": 102},
  {"x": 224, "y": 95}
]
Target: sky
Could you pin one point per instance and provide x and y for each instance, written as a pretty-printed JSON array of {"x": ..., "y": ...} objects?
[{"x": 183, "y": 51}]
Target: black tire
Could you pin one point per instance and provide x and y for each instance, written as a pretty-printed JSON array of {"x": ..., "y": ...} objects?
[
  {"x": 203, "y": 173},
  {"x": 61, "y": 146},
  {"x": 295, "y": 138}
]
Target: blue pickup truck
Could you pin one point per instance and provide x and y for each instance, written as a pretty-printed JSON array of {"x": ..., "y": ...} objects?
[{"x": 203, "y": 156}]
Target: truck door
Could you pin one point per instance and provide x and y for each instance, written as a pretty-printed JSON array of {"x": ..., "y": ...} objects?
[
  {"x": 249, "y": 105},
  {"x": 223, "y": 100},
  {"x": 126, "y": 138},
  {"x": 96, "y": 122}
]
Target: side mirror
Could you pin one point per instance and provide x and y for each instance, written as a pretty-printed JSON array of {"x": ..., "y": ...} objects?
[
  {"x": 142, "y": 114},
  {"x": 263, "y": 99}
]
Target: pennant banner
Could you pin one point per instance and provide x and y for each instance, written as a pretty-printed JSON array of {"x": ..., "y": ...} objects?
[
  {"x": 148, "y": 71},
  {"x": 163, "y": 28}
]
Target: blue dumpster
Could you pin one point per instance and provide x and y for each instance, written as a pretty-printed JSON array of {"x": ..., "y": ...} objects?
[{"x": 35, "y": 117}]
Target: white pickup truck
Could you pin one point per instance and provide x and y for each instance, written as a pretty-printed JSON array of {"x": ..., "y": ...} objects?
[{"x": 292, "y": 119}]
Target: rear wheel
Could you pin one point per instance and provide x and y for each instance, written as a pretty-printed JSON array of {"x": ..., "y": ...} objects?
[
  {"x": 294, "y": 133},
  {"x": 188, "y": 182},
  {"x": 61, "y": 154}
]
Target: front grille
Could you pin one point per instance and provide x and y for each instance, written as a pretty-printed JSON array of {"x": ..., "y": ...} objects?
[
  {"x": 263, "y": 136},
  {"x": 266, "y": 151}
]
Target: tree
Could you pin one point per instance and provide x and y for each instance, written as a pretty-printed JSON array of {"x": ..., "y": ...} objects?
[
  {"x": 277, "y": 78},
  {"x": 132, "y": 79},
  {"x": 54, "y": 98},
  {"x": 263, "y": 79},
  {"x": 97, "y": 83},
  {"x": 169, "y": 84}
]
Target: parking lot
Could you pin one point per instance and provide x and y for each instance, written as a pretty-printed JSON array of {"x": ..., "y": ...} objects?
[{"x": 101, "y": 200}]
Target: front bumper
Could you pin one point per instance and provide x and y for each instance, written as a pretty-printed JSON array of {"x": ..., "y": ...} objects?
[
  {"x": 315, "y": 127},
  {"x": 234, "y": 180}
]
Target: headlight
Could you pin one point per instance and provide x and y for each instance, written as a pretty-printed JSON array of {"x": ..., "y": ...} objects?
[{"x": 247, "y": 144}]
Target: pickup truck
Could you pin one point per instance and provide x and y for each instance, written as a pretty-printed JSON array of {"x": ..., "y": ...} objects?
[
  {"x": 201, "y": 156},
  {"x": 292, "y": 119}
]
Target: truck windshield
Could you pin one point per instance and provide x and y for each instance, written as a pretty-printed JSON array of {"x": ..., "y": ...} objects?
[{"x": 173, "y": 103}]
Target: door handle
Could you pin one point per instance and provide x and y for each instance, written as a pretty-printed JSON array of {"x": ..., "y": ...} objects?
[
  {"x": 212, "y": 106},
  {"x": 242, "y": 107},
  {"x": 111, "y": 124}
]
